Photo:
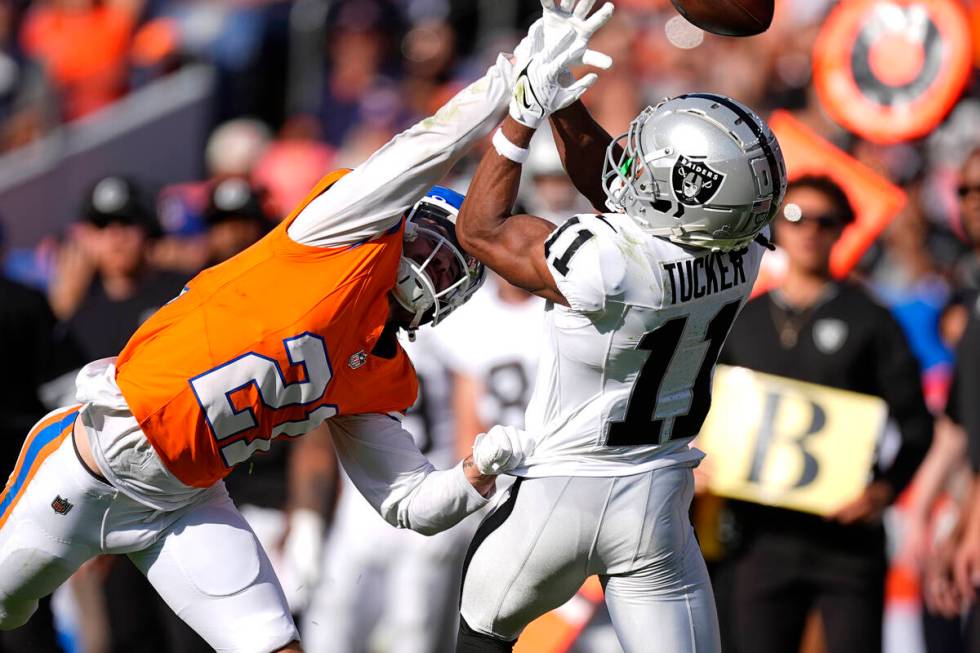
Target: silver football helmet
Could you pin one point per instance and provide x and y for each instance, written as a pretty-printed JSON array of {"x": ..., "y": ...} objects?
[{"x": 699, "y": 169}]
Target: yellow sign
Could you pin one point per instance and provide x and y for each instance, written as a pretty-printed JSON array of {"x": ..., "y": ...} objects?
[{"x": 790, "y": 444}]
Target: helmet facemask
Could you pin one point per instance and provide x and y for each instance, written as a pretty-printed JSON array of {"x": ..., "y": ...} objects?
[
  {"x": 432, "y": 285},
  {"x": 629, "y": 189}
]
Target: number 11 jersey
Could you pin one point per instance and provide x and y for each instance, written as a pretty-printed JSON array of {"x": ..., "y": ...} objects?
[{"x": 624, "y": 380}]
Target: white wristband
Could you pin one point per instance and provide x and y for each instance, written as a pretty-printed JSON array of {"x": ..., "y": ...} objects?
[{"x": 507, "y": 149}]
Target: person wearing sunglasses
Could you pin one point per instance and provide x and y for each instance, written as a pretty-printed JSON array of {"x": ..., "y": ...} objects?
[
  {"x": 817, "y": 329},
  {"x": 968, "y": 191}
]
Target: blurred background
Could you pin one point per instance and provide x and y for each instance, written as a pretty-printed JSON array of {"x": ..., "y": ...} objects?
[{"x": 143, "y": 140}]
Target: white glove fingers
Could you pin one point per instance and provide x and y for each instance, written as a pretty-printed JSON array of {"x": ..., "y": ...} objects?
[
  {"x": 577, "y": 89},
  {"x": 548, "y": 5},
  {"x": 560, "y": 50},
  {"x": 532, "y": 40},
  {"x": 582, "y": 85},
  {"x": 597, "y": 59},
  {"x": 564, "y": 59},
  {"x": 536, "y": 33},
  {"x": 598, "y": 19},
  {"x": 583, "y": 8},
  {"x": 567, "y": 6},
  {"x": 501, "y": 449}
]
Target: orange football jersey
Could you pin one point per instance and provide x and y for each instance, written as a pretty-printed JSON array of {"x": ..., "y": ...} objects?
[{"x": 263, "y": 346}]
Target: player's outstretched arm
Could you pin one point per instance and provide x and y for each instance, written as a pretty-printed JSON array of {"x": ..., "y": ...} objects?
[
  {"x": 510, "y": 245},
  {"x": 386, "y": 466},
  {"x": 375, "y": 195},
  {"x": 514, "y": 245},
  {"x": 582, "y": 144},
  {"x": 581, "y": 141}
]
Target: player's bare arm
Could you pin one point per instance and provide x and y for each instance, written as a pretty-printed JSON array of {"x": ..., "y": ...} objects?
[
  {"x": 514, "y": 245},
  {"x": 510, "y": 245},
  {"x": 482, "y": 483},
  {"x": 582, "y": 145}
]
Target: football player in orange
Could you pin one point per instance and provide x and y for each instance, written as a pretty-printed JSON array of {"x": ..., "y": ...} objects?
[{"x": 297, "y": 329}]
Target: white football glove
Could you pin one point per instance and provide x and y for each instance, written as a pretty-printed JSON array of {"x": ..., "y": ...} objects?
[
  {"x": 511, "y": 64},
  {"x": 544, "y": 85},
  {"x": 501, "y": 449},
  {"x": 560, "y": 15}
]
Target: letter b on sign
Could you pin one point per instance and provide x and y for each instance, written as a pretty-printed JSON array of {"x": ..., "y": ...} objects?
[{"x": 779, "y": 451}]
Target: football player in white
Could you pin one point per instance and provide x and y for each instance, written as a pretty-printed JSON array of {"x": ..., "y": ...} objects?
[
  {"x": 641, "y": 296},
  {"x": 493, "y": 381}
]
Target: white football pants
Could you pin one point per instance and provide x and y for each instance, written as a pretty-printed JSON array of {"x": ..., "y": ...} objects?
[
  {"x": 203, "y": 559},
  {"x": 537, "y": 548}
]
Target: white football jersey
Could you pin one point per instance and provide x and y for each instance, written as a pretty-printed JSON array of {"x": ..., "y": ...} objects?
[
  {"x": 430, "y": 419},
  {"x": 624, "y": 379},
  {"x": 505, "y": 360}
]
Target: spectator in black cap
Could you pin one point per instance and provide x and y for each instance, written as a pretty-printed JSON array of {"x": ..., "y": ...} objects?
[
  {"x": 103, "y": 285},
  {"x": 235, "y": 218}
]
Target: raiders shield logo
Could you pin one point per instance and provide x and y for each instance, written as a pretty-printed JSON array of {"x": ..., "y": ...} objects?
[
  {"x": 829, "y": 335},
  {"x": 61, "y": 506},
  {"x": 694, "y": 183}
]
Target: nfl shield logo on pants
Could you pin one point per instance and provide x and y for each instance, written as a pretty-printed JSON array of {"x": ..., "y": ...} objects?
[{"x": 62, "y": 506}]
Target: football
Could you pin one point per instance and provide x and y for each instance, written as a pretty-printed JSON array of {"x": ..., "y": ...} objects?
[{"x": 728, "y": 17}]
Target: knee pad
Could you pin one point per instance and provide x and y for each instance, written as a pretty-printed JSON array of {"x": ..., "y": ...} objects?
[
  {"x": 14, "y": 614},
  {"x": 470, "y": 641}
]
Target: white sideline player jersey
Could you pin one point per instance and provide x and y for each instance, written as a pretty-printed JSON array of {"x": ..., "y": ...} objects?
[
  {"x": 505, "y": 360},
  {"x": 624, "y": 379},
  {"x": 430, "y": 419}
]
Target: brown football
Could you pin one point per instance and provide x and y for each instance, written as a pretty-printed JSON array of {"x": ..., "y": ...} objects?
[{"x": 728, "y": 17}]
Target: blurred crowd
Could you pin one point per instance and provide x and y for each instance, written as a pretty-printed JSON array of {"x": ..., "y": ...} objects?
[{"x": 306, "y": 86}]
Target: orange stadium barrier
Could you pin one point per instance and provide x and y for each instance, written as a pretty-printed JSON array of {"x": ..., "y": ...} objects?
[
  {"x": 876, "y": 200},
  {"x": 891, "y": 70}
]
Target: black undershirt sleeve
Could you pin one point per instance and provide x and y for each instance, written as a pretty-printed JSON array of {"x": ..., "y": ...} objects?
[{"x": 899, "y": 380}]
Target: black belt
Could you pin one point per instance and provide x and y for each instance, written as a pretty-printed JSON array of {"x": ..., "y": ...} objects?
[{"x": 92, "y": 472}]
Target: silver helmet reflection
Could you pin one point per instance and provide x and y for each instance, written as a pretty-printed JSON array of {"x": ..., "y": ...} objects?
[{"x": 701, "y": 170}]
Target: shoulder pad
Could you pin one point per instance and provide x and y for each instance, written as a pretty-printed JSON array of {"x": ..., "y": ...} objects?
[{"x": 586, "y": 259}]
